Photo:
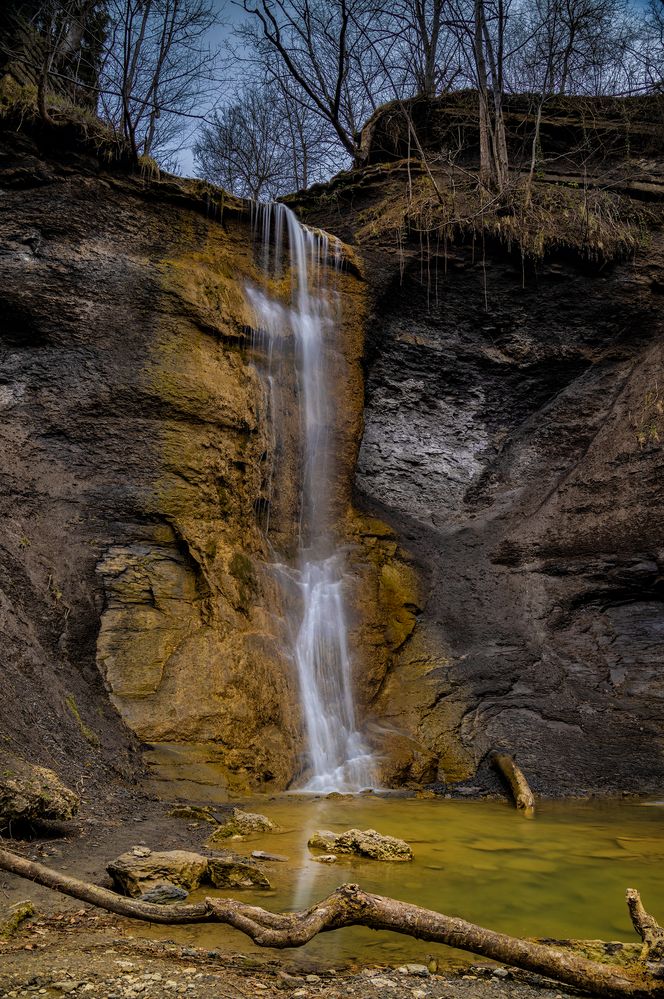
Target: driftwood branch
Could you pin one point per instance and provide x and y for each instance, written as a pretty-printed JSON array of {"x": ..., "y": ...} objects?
[
  {"x": 513, "y": 774},
  {"x": 647, "y": 927},
  {"x": 350, "y": 906}
]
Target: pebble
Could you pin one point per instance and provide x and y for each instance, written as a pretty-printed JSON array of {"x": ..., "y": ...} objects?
[
  {"x": 420, "y": 970},
  {"x": 502, "y": 973},
  {"x": 312, "y": 978},
  {"x": 383, "y": 983}
]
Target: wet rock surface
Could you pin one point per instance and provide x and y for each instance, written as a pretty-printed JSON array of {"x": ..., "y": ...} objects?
[
  {"x": 505, "y": 565},
  {"x": 137, "y": 592},
  {"x": 513, "y": 441},
  {"x": 132, "y": 434}
]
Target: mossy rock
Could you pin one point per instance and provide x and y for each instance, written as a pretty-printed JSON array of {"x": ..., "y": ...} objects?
[
  {"x": 33, "y": 794},
  {"x": 242, "y": 824}
]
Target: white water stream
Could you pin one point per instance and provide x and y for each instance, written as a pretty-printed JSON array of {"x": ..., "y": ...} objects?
[{"x": 297, "y": 332}]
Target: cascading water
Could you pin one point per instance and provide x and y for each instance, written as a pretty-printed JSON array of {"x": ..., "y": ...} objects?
[{"x": 338, "y": 758}]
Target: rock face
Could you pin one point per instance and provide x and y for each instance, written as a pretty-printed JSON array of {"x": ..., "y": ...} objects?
[
  {"x": 361, "y": 843},
  {"x": 32, "y": 794},
  {"x": 508, "y": 448},
  {"x": 136, "y": 452},
  {"x": 502, "y": 520},
  {"x": 514, "y": 442}
]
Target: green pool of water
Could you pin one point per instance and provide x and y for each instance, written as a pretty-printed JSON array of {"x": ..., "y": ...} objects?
[{"x": 561, "y": 874}]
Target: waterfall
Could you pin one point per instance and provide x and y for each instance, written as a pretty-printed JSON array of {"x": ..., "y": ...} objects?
[{"x": 294, "y": 335}]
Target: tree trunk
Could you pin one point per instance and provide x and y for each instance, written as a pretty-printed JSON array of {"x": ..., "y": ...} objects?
[
  {"x": 350, "y": 906},
  {"x": 42, "y": 91},
  {"x": 513, "y": 774},
  {"x": 486, "y": 159}
]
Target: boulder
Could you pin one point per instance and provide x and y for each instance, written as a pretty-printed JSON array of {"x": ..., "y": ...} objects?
[
  {"x": 163, "y": 893},
  {"x": 139, "y": 875},
  {"x": 32, "y": 794},
  {"x": 240, "y": 823},
  {"x": 134, "y": 875},
  {"x": 236, "y": 872},
  {"x": 361, "y": 843}
]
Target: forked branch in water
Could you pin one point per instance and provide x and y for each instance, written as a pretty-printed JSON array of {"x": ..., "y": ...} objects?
[{"x": 350, "y": 906}]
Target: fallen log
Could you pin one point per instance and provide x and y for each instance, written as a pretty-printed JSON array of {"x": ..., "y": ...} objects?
[
  {"x": 350, "y": 906},
  {"x": 513, "y": 774}
]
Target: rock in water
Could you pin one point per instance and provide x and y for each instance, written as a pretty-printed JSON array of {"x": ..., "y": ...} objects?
[
  {"x": 141, "y": 875},
  {"x": 241, "y": 823},
  {"x": 163, "y": 893},
  {"x": 361, "y": 843},
  {"x": 234, "y": 872},
  {"x": 31, "y": 794}
]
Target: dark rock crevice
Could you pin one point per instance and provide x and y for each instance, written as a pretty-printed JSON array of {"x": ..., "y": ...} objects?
[{"x": 504, "y": 446}]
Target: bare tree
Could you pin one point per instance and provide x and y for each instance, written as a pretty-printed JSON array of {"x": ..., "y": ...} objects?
[
  {"x": 489, "y": 24},
  {"x": 157, "y": 67},
  {"x": 583, "y": 40},
  {"x": 238, "y": 149},
  {"x": 651, "y": 48},
  {"x": 264, "y": 145},
  {"x": 319, "y": 45},
  {"x": 417, "y": 42}
]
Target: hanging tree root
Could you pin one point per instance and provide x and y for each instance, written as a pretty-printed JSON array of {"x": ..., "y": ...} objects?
[
  {"x": 350, "y": 906},
  {"x": 513, "y": 774}
]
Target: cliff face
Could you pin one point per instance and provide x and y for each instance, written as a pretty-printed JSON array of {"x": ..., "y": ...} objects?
[
  {"x": 136, "y": 442},
  {"x": 514, "y": 440},
  {"x": 518, "y": 451},
  {"x": 499, "y": 459}
]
